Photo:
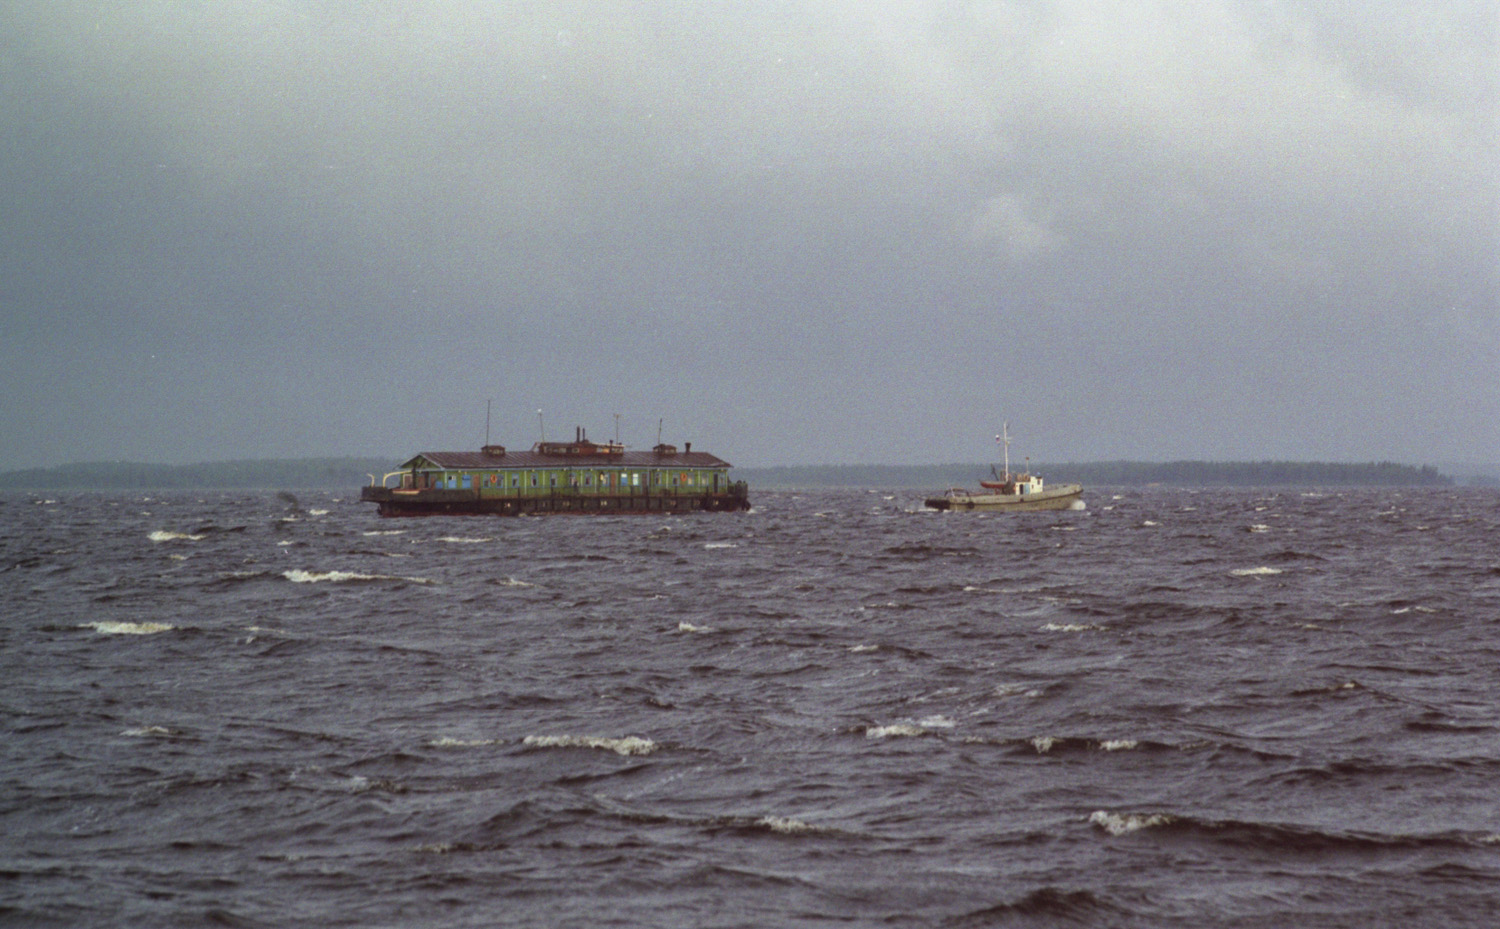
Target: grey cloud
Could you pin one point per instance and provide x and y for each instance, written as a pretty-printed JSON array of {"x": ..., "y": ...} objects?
[{"x": 808, "y": 230}]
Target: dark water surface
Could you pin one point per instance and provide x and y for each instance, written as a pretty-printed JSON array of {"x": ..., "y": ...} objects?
[{"x": 1229, "y": 708}]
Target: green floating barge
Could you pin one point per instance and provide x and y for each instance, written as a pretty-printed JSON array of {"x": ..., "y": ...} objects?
[{"x": 581, "y": 477}]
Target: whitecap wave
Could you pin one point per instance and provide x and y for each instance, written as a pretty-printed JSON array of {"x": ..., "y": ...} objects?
[
  {"x": 1071, "y": 627},
  {"x": 895, "y": 731},
  {"x": 686, "y": 626},
  {"x": 1121, "y": 824},
  {"x": 629, "y": 745},
  {"x": 122, "y": 628},
  {"x": 1119, "y": 745},
  {"x": 462, "y": 540},
  {"x": 298, "y": 576},
  {"x": 162, "y": 535},
  {"x": 783, "y": 824},
  {"x": 1255, "y": 572},
  {"x": 1043, "y": 743},
  {"x": 147, "y": 732},
  {"x": 721, "y": 545},
  {"x": 449, "y": 742}
]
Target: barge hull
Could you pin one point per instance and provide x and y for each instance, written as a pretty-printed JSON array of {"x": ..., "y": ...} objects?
[{"x": 395, "y": 502}]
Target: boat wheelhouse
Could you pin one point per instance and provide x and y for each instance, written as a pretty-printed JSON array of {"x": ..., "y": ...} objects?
[{"x": 559, "y": 477}]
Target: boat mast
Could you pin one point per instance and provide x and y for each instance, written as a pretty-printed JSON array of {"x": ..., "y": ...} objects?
[{"x": 1004, "y": 438}]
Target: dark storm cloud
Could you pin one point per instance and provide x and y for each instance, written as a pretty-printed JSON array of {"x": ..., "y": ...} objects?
[{"x": 797, "y": 232}]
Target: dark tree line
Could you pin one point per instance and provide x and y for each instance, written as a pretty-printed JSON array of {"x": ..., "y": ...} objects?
[
  {"x": 1110, "y": 473},
  {"x": 353, "y": 472},
  {"x": 267, "y": 473}
]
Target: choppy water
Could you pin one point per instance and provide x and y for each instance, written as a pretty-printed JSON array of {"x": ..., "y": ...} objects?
[{"x": 1170, "y": 709}]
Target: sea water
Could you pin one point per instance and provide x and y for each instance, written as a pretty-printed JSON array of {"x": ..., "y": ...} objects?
[{"x": 1169, "y": 708}]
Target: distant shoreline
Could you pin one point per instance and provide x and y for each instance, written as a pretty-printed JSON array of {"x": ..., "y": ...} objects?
[
  {"x": 351, "y": 473},
  {"x": 1112, "y": 473}
]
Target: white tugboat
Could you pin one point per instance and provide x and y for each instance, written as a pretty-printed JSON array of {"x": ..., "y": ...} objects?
[{"x": 1024, "y": 491}]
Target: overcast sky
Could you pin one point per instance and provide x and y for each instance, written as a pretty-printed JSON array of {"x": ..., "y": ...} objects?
[{"x": 822, "y": 231}]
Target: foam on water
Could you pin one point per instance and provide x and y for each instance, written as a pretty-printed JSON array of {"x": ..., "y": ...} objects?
[
  {"x": 298, "y": 576},
  {"x": 109, "y": 627},
  {"x": 1255, "y": 572},
  {"x": 1125, "y": 823},
  {"x": 895, "y": 731},
  {"x": 162, "y": 535},
  {"x": 629, "y": 745},
  {"x": 147, "y": 732},
  {"x": 783, "y": 824}
]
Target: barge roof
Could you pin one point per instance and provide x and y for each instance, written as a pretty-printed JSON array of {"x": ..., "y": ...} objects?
[{"x": 483, "y": 461}]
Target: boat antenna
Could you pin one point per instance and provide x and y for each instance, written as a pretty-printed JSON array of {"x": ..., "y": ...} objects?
[{"x": 541, "y": 424}]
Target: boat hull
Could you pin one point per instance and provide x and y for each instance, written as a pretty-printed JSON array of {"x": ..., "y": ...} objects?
[
  {"x": 440, "y": 502},
  {"x": 1061, "y": 497}
]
